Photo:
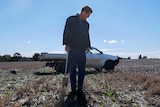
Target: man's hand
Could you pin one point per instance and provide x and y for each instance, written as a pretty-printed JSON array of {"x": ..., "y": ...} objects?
[
  {"x": 67, "y": 48},
  {"x": 87, "y": 49}
]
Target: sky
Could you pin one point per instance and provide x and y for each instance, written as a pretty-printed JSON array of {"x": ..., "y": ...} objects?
[{"x": 125, "y": 28}]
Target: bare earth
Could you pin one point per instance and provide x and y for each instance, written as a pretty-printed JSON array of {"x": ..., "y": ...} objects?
[{"x": 134, "y": 83}]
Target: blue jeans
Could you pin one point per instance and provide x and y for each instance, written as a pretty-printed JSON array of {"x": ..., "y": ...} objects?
[{"x": 77, "y": 58}]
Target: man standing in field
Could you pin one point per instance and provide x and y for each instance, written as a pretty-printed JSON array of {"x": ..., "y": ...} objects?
[{"x": 77, "y": 41}]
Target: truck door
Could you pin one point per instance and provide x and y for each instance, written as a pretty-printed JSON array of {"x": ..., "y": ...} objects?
[{"x": 94, "y": 58}]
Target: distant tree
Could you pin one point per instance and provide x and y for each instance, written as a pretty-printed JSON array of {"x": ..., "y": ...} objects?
[
  {"x": 26, "y": 59},
  {"x": 129, "y": 57},
  {"x": 144, "y": 57},
  {"x": 16, "y": 56},
  {"x": 140, "y": 56},
  {"x": 1, "y": 58},
  {"x": 36, "y": 57},
  {"x": 5, "y": 58}
]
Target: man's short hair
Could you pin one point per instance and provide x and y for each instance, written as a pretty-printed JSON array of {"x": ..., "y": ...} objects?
[{"x": 87, "y": 9}]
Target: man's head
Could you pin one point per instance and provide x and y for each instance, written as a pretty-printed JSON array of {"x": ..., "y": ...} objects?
[{"x": 85, "y": 12}]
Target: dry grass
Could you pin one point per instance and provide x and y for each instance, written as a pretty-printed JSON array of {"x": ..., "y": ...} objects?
[
  {"x": 121, "y": 88},
  {"x": 105, "y": 85},
  {"x": 127, "y": 86}
]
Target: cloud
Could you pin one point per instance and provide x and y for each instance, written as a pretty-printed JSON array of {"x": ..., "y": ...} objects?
[
  {"x": 28, "y": 42},
  {"x": 122, "y": 41},
  {"x": 110, "y": 41},
  {"x": 104, "y": 41},
  {"x": 113, "y": 41}
]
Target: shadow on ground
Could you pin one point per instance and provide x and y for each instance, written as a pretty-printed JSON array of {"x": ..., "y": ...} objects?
[
  {"x": 46, "y": 73},
  {"x": 88, "y": 72}
]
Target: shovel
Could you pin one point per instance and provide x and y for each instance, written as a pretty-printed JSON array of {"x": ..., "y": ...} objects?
[
  {"x": 64, "y": 85},
  {"x": 65, "y": 79}
]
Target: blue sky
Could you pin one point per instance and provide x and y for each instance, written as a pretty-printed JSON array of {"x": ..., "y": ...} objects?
[{"x": 119, "y": 27}]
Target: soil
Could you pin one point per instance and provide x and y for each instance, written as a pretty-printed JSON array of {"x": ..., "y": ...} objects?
[{"x": 133, "y": 83}]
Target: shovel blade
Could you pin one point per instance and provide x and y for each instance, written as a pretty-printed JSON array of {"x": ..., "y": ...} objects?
[{"x": 65, "y": 81}]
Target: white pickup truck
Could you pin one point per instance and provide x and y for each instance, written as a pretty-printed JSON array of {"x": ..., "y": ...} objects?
[{"x": 95, "y": 59}]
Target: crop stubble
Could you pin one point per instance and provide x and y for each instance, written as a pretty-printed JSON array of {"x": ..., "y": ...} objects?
[{"x": 134, "y": 83}]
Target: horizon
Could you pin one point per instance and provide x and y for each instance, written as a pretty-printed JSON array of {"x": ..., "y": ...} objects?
[
  {"x": 121, "y": 55},
  {"x": 121, "y": 28}
]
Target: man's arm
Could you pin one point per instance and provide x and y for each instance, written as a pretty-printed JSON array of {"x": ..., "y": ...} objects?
[
  {"x": 88, "y": 40},
  {"x": 67, "y": 32}
]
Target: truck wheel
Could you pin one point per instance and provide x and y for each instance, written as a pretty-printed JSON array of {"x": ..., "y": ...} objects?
[
  {"x": 57, "y": 67},
  {"x": 109, "y": 65},
  {"x": 62, "y": 67},
  {"x": 98, "y": 69}
]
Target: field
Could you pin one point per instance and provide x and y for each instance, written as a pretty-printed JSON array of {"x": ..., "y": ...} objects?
[{"x": 134, "y": 83}]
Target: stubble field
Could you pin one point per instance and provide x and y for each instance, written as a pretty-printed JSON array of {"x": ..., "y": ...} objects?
[{"x": 134, "y": 83}]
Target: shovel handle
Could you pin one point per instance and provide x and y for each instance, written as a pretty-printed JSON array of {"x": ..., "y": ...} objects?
[{"x": 66, "y": 65}]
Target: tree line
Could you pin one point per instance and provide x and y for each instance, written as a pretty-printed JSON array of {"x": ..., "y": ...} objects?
[{"x": 18, "y": 57}]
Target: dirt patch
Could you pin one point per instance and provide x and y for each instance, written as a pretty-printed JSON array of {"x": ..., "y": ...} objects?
[
  {"x": 134, "y": 83},
  {"x": 21, "y": 65}
]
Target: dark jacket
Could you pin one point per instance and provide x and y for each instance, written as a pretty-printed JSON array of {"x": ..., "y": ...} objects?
[{"x": 76, "y": 33}]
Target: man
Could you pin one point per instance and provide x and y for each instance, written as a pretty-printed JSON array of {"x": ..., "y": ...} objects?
[{"x": 76, "y": 40}]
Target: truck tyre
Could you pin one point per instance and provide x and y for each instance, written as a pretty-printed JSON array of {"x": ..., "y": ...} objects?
[
  {"x": 57, "y": 67},
  {"x": 98, "y": 69},
  {"x": 109, "y": 65},
  {"x": 62, "y": 67}
]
